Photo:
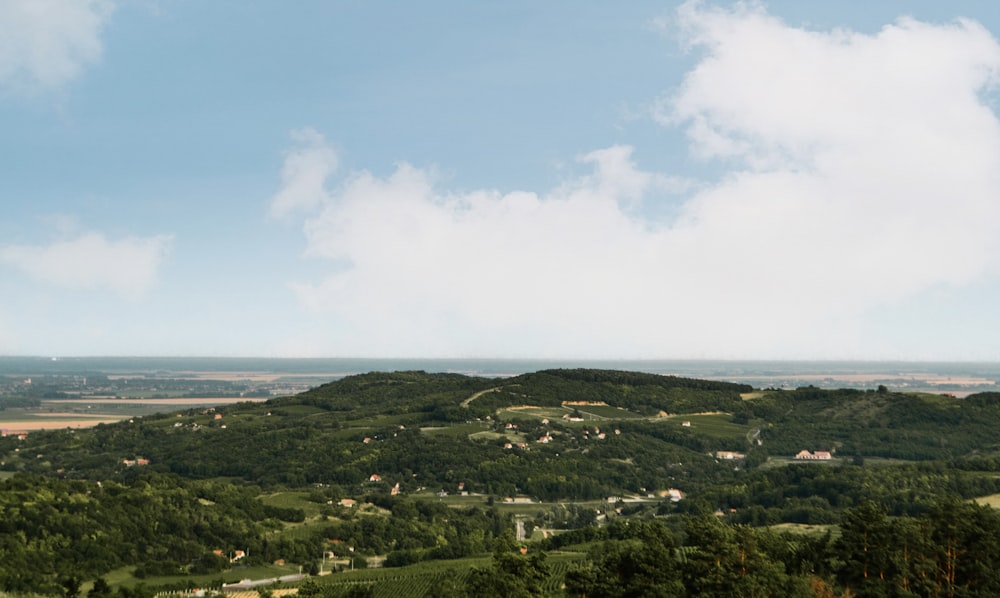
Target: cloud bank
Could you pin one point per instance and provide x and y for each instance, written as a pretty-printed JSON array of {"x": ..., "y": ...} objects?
[
  {"x": 45, "y": 44},
  {"x": 127, "y": 267},
  {"x": 307, "y": 167},
  {"x": 859, "y": 170}
]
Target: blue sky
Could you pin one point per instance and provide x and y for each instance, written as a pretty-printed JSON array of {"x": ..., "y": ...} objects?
[{"x": 772, "y": 180}]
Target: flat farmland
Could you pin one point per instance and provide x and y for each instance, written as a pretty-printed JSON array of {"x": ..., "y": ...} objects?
[
  {"x": 57, "y": 414},
  {"x": 233, "y": 376},
  {"x": 173, "y": 402},
  {"x": 55, "y": 421}
]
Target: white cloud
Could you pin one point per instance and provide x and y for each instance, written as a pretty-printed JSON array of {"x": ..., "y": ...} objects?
[
  {"x": 862, "y": 171},
  {"x": 44, "y": 44},
  {"x": 127, "y": 267},
  {"x": 304, "y": 174},
  {"x": 873, "y": 156}
]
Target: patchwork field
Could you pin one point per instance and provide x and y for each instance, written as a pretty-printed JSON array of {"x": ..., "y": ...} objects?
[
  {"x": 178, "y": 402},
  {"x": 57, "y": 414}
]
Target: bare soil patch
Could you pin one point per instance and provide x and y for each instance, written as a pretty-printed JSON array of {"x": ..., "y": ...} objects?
[
  {"x": 55, "y": 424},
  {"x": 992, "y": 500}
]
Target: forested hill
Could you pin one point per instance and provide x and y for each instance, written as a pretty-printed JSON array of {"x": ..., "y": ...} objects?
[
  {"x": 538, "y": 433},
  {"x": 613, "y": 431},
  {"x": 381, "y": 393},
  {"x": 578, "y": 444},
  {"x": 647, "y": 394},
  {"x": 420, "y": 391}
]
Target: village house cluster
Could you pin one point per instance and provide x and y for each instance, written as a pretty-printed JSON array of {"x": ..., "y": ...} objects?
[{"x": 805, "y": 455}]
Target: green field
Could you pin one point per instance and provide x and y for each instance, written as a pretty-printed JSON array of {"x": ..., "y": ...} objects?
[
  {"x": 472, "y": 430},
  {"x": 292, "y": 500},
  {"x": 535, "y": 412},
  {"x": 717, "y": 425},
  {"x": 605, "y": 412}
]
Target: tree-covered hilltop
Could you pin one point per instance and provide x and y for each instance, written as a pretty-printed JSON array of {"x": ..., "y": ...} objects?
[
  {"x": 877, "y": 423},
  {"x": 555, "y": 434},
  {"x": 379, "y": 393},
  {"x": 409, "y": 392},
  {"x": 646, "y": 394},
  {"x": 590, "y": 450},
  {"x": 424, "y": 430}
]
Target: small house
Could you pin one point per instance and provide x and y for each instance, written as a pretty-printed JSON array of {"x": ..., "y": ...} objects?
[{"x": 729, "y": 455}]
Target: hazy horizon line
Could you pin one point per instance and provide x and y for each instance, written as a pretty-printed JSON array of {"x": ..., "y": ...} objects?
[{"x": 503, "y": 358}]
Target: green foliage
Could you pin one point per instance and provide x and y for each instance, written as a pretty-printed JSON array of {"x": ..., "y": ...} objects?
[
  {"x": 449, "y": 583},
  {"x": 642, "y": 393},
  {"x": 100, "y": 589},
  {"x": 319, "y": 437},
  {"x": 642, "y": 565},
  {"x": 510, "y": 575},
  {"x": 269, "y": 484},
  {"x": 947, "y": 551},
  {"x": 53, "y": 530},
  {"x": 882, "y": 424},
  {"x": 312, "y": 589},
  {"x": 715, "y": 560}
]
